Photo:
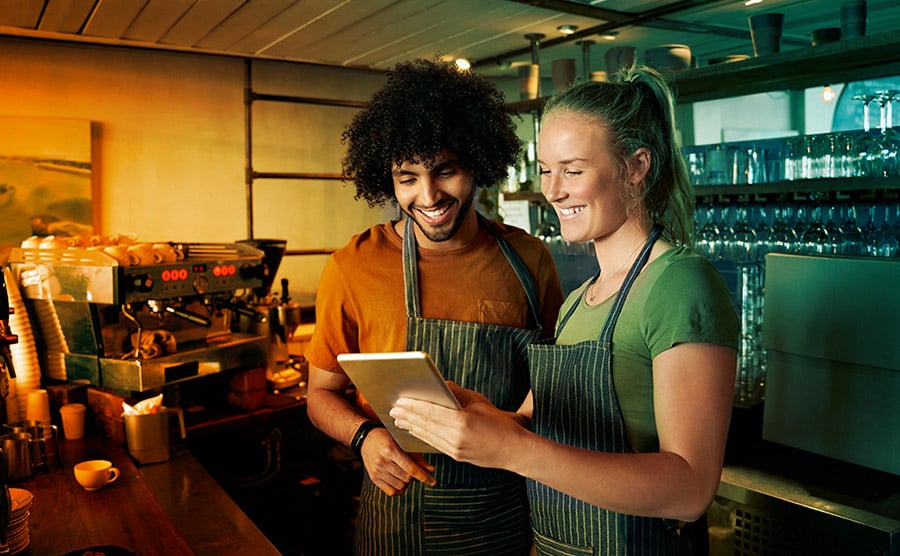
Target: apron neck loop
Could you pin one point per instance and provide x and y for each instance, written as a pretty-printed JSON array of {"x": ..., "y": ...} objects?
[
  {"x": 411, "y": 271},
  {"x": 639, "y": 263}
]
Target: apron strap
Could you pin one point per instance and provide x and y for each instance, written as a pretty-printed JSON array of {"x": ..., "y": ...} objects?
[
  {"x": 411, "y": 271},
  {"x": 609, "y": 325},
  {"x": 521, "y": 270}
]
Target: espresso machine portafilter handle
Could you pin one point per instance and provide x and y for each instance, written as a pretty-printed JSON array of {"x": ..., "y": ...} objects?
[
  {"x": 158, "y": 307},
  {"x": 189, "y": 316},
  {"x": 242, "y": 310}
]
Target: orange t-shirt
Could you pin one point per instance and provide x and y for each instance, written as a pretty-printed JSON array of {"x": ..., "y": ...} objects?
[{"x": 360, "y": 303}]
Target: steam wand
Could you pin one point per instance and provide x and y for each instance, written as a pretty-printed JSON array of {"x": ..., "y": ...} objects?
[{"x": 129, "y": 314}]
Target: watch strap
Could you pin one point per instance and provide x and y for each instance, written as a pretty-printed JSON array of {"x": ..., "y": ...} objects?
[{"x": 361, "y": 433}]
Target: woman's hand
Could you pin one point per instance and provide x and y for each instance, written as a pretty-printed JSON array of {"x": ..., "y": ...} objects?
[{"x": 479, "y": 433}]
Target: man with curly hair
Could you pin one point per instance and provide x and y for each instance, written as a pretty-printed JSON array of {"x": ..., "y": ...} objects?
[{"x": 445, "y": 280}]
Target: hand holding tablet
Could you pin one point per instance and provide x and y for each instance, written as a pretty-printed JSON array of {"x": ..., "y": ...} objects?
[{"x": 383, "y": 378}]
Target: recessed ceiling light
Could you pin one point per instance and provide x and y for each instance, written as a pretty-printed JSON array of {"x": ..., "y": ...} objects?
[
  {"x": 752, "y": 2},
  {"x": 567, "y": 29},
  {"x": 609, "y": 35},
  {"x": 463, "y": 64}
]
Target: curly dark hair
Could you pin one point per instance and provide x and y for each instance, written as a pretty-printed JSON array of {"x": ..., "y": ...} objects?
[{"x": 427, "y": 106}]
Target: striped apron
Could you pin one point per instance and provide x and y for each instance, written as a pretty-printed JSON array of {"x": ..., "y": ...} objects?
[
  {"x": 575, "y": 404},
  {"x": 472, "y": 510}
]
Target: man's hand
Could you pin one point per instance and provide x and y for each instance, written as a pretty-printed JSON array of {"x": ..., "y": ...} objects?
[{"x": 389, "y": 467}]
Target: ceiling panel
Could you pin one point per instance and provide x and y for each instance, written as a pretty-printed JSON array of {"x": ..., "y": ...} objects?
[
  {"x": 198, "y": 21},
  {"x": 157, "y": 17},
  {"x": 65, "y": 16},
  {"x": 379, "y": 33},
  {"x": 243, "y": 23},
  {"x": 112, "y": 19},
  {"x": 24, "y": 13}
]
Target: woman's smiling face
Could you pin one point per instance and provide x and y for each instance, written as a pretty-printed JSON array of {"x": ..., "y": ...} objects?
[{"x": 580, "y": 175}]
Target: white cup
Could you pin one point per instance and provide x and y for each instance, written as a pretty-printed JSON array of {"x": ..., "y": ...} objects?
[
  {"x": 73, "y": 420},
  {"x": 95, "y": 474},
  {"x": 143, "y": 254},
  {"x": 32, "y": 242},
  {"x": 167, "y": 253},
  {"x": 119, "y": 253},
  {"x": 37, "y": 406},
  {"x": 53, "y": 242}
]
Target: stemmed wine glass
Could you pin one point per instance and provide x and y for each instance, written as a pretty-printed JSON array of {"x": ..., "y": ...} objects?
[
  {"x": 869, "y": 234},
  {"x": 886, "y": 238},
  {"x": 869, "y": 150},
  {"x": 834, "y": 233},
  {"x": 783, "y": 238},
  {"x": 890, "y": 138},
  {"x": 723, "y": 246},
  {"x": 763, "y": 235},
  {"x": 743, "y": 239},
  {"x": 708, "y": 236},
  {"x": 814, "y": 238},
  {"x": 851, "y": 236}
]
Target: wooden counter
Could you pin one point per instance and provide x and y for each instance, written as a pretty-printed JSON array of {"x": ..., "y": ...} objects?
[{"x": 169, "y": 508}]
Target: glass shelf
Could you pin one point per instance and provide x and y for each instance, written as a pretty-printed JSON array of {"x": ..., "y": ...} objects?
[{"x": 798, "y": 190}]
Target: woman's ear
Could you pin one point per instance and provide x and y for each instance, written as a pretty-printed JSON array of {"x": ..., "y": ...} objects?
[{"x": 639, "y": 166}]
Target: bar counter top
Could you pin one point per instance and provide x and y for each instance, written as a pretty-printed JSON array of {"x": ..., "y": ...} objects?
[{"x": 168, "y": 508}]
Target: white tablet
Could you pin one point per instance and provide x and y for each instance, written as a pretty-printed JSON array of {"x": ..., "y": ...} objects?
[{"x": 382, "y": 378}]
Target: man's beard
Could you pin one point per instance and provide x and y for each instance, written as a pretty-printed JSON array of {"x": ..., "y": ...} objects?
[{"x": 445, "y": 232}]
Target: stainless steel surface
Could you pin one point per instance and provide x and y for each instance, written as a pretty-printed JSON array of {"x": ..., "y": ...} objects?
[
  {"x": 378, "y": 33},
  {"x": 833, "y": 369},
  {"x": 759, "y": 512},
  {"x": 235, "y": 351}
]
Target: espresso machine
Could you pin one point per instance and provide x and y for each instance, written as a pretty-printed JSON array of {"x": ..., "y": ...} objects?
[{"x": 133, "y": 328}]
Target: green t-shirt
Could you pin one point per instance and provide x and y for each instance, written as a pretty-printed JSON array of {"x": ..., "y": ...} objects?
[{"x": 678, "y": 298}]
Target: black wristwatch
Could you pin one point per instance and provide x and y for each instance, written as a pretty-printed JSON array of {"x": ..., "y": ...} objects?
[{"x": 361, "y": 433}]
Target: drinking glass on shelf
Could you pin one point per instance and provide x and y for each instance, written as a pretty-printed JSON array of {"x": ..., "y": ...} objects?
[
  {"x": 756, "y": 166},
  {"x": 696, "y": 164},
  {"x": 793, "y": 152},
  {"x": 845, "y": 157},
  {"x": 763, "y": 234},
  {"x": 725, "y": 233},
  {"x": 867, "y": 144},
  {"x": 814, "y": 238},
  {"x": 889, "y": 140},
  {"x": 709, "y": 237},
  {"x": 716, "y": 170},
  {"x": 851, "y": 240},
  {"x": 886, "y": 238},
  {"x": 897, "y": 225},
  {"x": 742, "y": 247},
  {"x": 833, "y": 231},
  {"x": 783, "y": 238},
  {"x": 869, "y": 235}
]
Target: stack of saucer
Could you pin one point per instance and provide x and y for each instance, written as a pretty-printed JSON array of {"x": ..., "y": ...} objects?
[{"x": 17, "y": 535}]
